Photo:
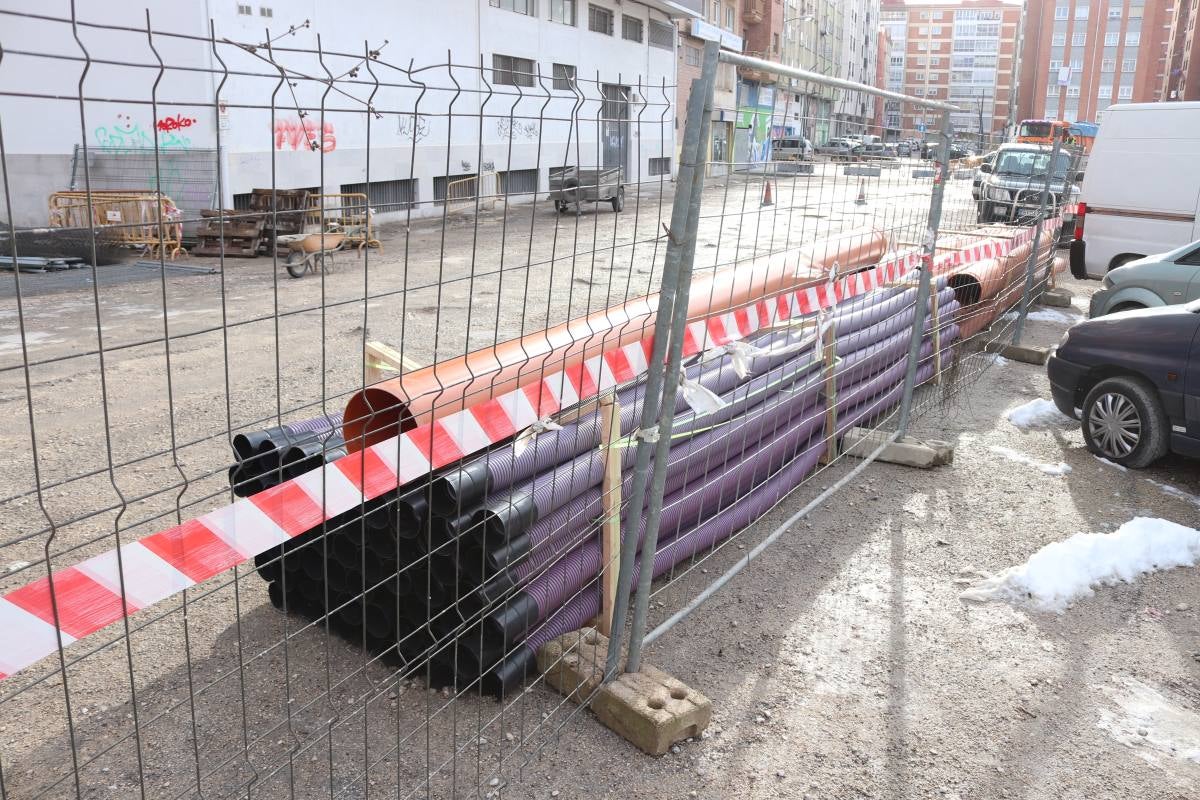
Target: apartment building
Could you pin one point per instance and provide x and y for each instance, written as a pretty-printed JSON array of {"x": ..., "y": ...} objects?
[
  {"x": 1081, "y": 56},
  {"x": 965, "y": 53},
  {"x": 1182, "y": 78},
  {"x": 544, "y": 64},
  {"x": 715, "y": 21}
]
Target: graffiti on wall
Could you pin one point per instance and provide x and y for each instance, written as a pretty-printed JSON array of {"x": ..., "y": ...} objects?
[
  {"x": 305, "y": 134},
  {"x": 518, "y": 129},
  {"x": 413, "y": 127},
  {"x": 125, "y": 131}
]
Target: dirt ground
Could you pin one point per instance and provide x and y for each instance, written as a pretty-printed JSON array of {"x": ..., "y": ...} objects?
[{"x": 842, "y": 664}]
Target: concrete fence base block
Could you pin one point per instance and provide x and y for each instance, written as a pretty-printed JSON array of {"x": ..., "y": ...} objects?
[
  {"x": 863, "y": 170},
  {"x": 1057, "y": 298},
  {"x": 793, "y": 168},
  {"x": 922, "y": 173},
  {"x": 650, "y": 709},
  {"x": 1027, "y": 354},
  {"x": 963, "y": 174},
  {"x": 908, "y": 452}
]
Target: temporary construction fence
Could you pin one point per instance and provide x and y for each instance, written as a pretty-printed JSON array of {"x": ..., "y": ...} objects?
[{"x": 580, "y": 405}]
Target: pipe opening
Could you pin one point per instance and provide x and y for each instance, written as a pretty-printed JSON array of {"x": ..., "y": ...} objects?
[{"x": 373, "y": 416}]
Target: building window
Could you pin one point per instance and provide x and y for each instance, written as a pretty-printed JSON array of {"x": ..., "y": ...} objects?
[
  {"x": 1061, "y": 12},
  {"x": 1111, "y": 39},
  {"x": 920, "y": 76},
  {"x": 631, "y": 28},
  {"x": 937, "y": 15},
  {"x": 1055, "y": 66},
  {"x": 923, "y": 30},
  {"x": 715, "y": 16},
  {"x": 1078, "y": 39},
  {"x": 936, "y": 30},
  {"x": 659, "y": 166},
  {"x": 564, "y": 77},
  {"x": 1059, "y": 40},
  {"x": 775, "y": 42},
  {"x": 1108, "y": 65},
  {"x": 662, "y": 35},
  {"x": 1125, "y": 92},
  {"x": 1133, "y": 38},
  {"x": 1052, "y": 91},
  {"x": 729, "y": 23},
  {"x": 1072, "y": 91},
  {"x": 1076, "y": 64},
  {"x": 1128, "y": 64},
  {"x": 245, "y": 11},
  {"x": 600, "y": 20},
  {"x": 512, "y": 71},
  {"x": 691, "y": 55},
  {"x": 527, "y": 7},
  {"x": 922, "y": 46},
  {"x": 1105, "y": 92},
  {"x": 924, "y": 15},
  {"x": 1081, "y": 11},
  {"x": 562, "y": 11},
  {"x": 935, "y": 61},
  {"x": 1114, "y": 13}
]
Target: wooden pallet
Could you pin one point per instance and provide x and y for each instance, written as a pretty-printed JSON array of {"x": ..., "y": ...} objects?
[{"x": 235, "y": 246}]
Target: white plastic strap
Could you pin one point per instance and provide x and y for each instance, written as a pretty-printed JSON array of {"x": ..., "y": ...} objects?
[
  {"x": 544, "y": 425},
  {"x": 699, "y": 399}
]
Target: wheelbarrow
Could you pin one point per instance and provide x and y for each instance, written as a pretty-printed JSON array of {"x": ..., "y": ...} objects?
[{"x": 310, "y": 251}]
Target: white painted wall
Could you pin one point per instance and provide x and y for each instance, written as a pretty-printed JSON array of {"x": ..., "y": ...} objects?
[{"x": 520, "y": 129}]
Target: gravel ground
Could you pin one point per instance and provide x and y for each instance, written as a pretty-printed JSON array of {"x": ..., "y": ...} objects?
[{"x": 841, "y": 665}]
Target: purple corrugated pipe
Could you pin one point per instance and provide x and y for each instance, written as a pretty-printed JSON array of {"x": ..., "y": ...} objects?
[{"x": 462, "y": 488}]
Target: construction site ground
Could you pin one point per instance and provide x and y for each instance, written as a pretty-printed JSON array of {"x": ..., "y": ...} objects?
[{"x": 842, "y": 664}]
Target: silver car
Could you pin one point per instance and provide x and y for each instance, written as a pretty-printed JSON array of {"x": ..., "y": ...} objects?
[
  {"x": 1165, "y": 279},
  {"x": 1011, "y": 187}
]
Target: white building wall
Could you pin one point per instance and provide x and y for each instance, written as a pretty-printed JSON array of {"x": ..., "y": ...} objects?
[{"x": 262, "y": 134}]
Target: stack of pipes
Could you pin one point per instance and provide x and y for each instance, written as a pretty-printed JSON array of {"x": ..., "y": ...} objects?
[
  {"x": 465, "y": 574},
  {"x": 267, "y": 457}
]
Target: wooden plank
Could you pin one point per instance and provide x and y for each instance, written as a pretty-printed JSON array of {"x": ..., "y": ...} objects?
[
  {"x": 610, "y": 524},
  {"x": 937, "y": 335},
  {"x": 383, "y": 359},
  {"x": 829, "y": 357}
]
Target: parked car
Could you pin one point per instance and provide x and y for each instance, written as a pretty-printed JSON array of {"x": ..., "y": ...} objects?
[
  {"x": 1133, "y": 380},
  {"x": 904, "y": 149},
  {"x": 1165, "y": 279},
  {"x": 960, "y": 151},
  {"x": 1011, "y": 188},
  {"x": 791, "y": 148},
  {"x": 1139, "y": 194},
  {"x": 837, "y": 148},
  {"x": 868, "y": 150},
  {"x": 990, "y": 160}
]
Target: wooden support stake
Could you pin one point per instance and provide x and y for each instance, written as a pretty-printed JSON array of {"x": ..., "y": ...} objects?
[
  {"x": 610, "y": 525},
  {"x": 829, "y": 357},
  {"x": 937, "y": 335},
  {"x": 383, "y": 359}
]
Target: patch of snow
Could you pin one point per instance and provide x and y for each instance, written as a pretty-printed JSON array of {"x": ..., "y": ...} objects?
[
  {"x": 998, "y": 360},
  {"x": 1038, "y": 414},
  {"x": 1175, "y": 491},
  {"x": 1062, "y": 572},
  {"x": 16, "y": 565},
  {"x": 1160, "y": 729},
  {"x": 1112, "y": 464},
  {"x": 1061, "y": 468}
]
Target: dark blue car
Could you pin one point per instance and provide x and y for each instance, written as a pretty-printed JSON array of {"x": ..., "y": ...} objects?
[{"x": 1133, "y": 379}]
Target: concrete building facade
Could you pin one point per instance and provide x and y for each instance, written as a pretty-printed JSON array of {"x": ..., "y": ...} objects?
[
  {"x": 535, "y": 84},
  {"x": 1182, "y": 78},
  {"x": 716, "y": 21},
  {"x": 964, "y": 52},
  {"x": 1102, "y": 51}
]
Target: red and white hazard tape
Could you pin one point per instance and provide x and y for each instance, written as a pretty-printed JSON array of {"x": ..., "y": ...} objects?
[{"x": 96, "y": 593}]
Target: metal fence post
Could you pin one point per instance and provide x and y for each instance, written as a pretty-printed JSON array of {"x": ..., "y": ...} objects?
[
  {"x": 666, "y": 420},
  {"x": 940, "y": 177},
  {"x": 1031, "y": 264},
  {"x": 676, "y": 277}
]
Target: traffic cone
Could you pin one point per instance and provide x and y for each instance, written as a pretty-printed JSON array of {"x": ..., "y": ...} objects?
[
  {"x": 861, "y": 200},
  {"x": 766, "y": 198}
]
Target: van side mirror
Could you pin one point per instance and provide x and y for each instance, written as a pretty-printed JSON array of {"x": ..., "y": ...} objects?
[
  {"x": 985, "y": 167},
  {"x": 1079, "y": 177}
]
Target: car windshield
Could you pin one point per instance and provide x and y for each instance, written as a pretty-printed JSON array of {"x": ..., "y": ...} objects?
[
  {"x": 1028, "y": 163},
  {"x": 1038, "y": 129}
]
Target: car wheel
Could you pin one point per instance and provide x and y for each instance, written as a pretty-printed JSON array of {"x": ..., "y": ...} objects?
[
  {"x": 1124, "y": 422},
  {"x": 1125, "y": 307}
]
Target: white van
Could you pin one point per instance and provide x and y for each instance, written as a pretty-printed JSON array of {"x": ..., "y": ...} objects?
[{"x": 1141, "y": 186}]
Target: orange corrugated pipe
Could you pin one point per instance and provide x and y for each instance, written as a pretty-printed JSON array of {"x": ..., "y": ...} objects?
[{"x": 420, "y": 396}]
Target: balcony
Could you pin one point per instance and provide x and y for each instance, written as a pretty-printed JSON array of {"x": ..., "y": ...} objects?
[
  {"x": 753, "y": 12},
  {"x": 758, "y": 75}
]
